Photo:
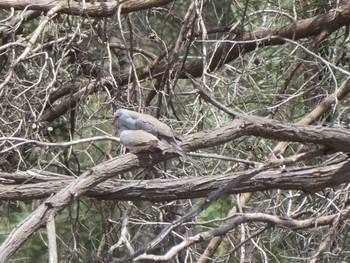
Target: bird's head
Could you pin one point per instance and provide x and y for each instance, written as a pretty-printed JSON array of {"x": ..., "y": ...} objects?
[
  {"x": 126, "y": 118},
  {"x": 118, "y": 115}
]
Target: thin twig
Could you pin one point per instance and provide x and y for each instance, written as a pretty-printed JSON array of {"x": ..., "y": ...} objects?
[{"x": 24, "y": 141}]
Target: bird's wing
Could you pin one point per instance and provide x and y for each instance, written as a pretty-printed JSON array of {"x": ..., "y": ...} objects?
[
  {"x": 154, "y": 126},
  {"x": 131, "y": 138}
]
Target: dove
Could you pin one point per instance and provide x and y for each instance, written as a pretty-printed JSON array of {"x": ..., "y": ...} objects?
[
  {"x": 138, "y": 121},
  {"x": 138, "y": 140}
]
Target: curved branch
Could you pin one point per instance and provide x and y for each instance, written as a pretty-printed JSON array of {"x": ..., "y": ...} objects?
[{"x": 258, "y": 126}]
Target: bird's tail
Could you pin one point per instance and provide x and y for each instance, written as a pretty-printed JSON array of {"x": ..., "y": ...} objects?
[{"x": 186, "y": 156}]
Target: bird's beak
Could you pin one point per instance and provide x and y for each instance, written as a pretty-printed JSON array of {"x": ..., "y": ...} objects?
[{"x": 115, "y": 121}]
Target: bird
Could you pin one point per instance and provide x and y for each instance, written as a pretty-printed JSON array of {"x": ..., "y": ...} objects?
[
  {"x": 138, "y": 140},
  {"x": 139, "y": 121}
]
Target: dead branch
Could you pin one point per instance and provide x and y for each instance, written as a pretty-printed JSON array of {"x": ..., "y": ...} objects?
[
  {"x": 23, "y": 141},
  {"x": 96, "y": 9},
  {"x": 64, "y": 197},
  {"x": 258, "y": 126},
  {"x": 305, "y": 179},
  {"x": 51, "y": 237}
]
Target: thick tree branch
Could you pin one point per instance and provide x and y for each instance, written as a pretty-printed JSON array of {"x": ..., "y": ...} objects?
[
  {"x": 97, "y": 9},
  {"x": 178, "y": 189},
  {"x": 252, "y": 125},
  {"x": 307, "y": 179}
]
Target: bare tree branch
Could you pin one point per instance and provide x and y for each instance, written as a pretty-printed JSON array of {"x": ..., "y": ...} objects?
[
  {"x": 51, "y": 237},
  {"x": 24, "y": 141},
  {"x": 96, "y": 9},
  {"x": 307, "y": 179}
]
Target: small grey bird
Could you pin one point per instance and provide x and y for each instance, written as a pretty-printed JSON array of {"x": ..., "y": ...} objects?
[{"x": 138, "y": 140}]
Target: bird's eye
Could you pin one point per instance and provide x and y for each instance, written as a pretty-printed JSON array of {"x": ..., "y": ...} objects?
[{"x": 117, "y": 116}]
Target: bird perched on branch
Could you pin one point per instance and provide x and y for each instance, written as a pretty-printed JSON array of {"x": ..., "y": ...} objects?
[
  {"x": 150, "y": 125},
  {"x": 138, "y": 140}
]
